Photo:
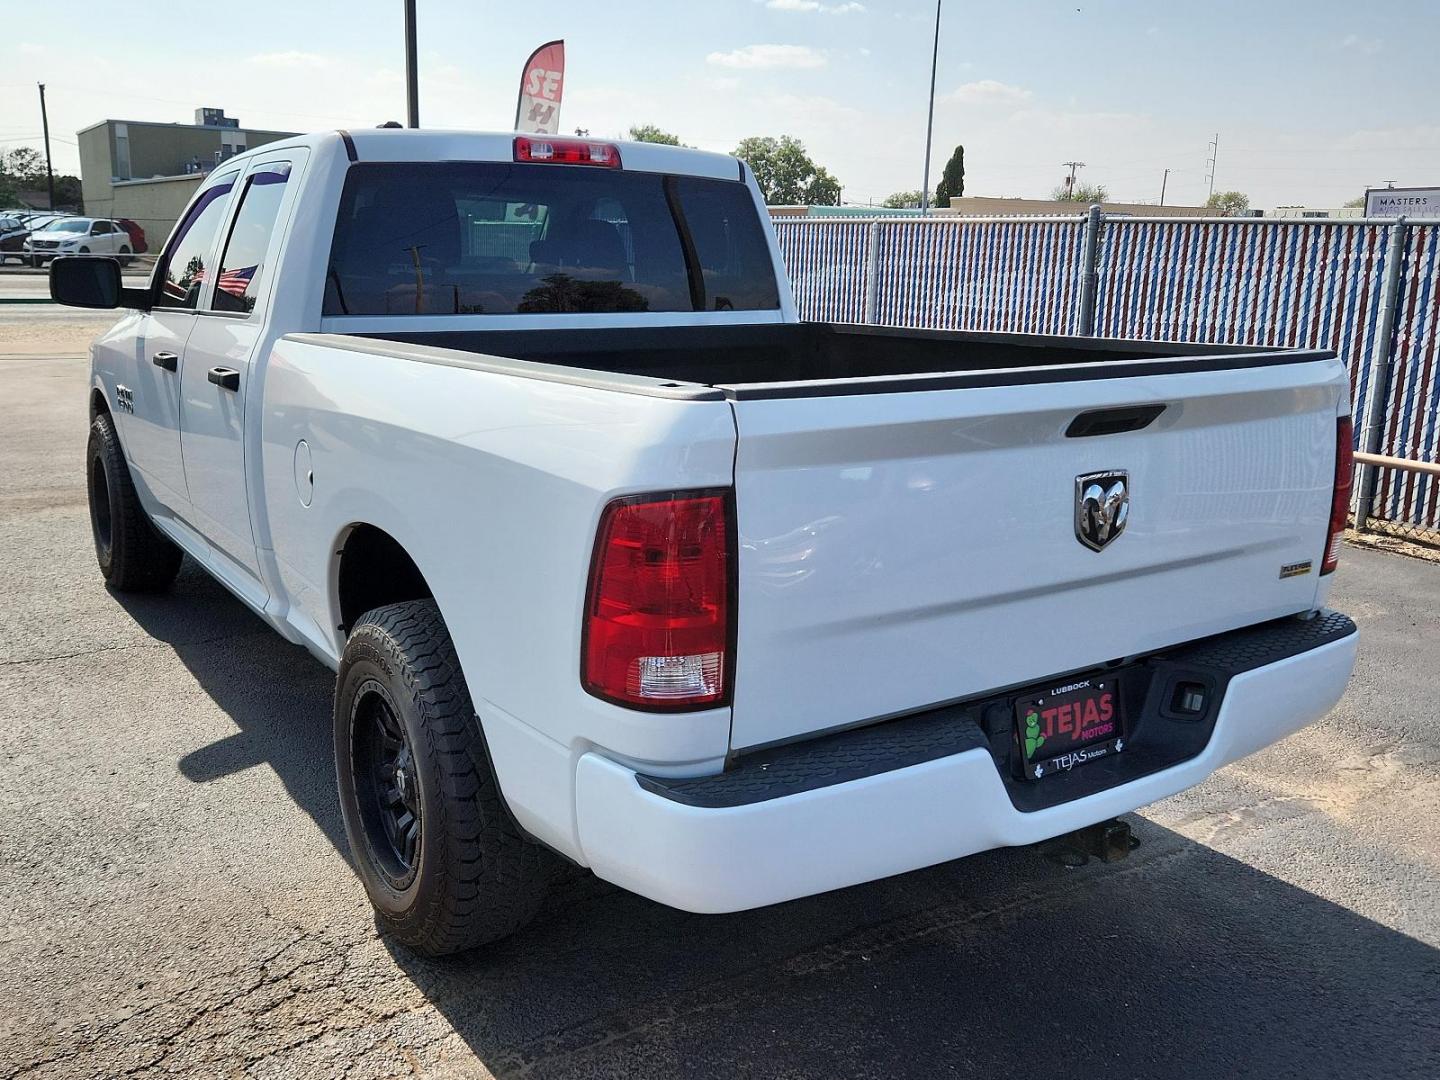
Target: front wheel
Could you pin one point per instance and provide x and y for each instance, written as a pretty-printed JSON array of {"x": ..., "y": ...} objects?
[
  {"x": 444, "y": 865},
  {"x": 133, "y": 556}
]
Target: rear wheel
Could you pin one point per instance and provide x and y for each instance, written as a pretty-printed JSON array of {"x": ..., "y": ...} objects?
[
  {"x": 133, "y": 557},
  {"x": 124, "y": 255},
  {"x": 444, "y": 865}
]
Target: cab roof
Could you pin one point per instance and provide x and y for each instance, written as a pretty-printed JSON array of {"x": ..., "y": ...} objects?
[{"x": 425, "y": 144}]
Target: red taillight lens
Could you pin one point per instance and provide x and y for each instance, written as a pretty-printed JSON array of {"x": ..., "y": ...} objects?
[
  {"x": 658, "y": 612},
  {"x": 567, "y": 151},
  {"x": 1340, "y": 498}
]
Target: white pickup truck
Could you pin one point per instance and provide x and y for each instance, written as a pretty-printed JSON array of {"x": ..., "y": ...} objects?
[{"x": 622, "y": 565}]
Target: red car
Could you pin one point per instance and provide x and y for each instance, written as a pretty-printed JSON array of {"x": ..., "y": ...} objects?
[{"x": 137, "y": 234}]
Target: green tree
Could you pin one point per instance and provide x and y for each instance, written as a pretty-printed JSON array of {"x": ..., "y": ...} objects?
[
  {"x": 901, "y": 200},
  {"x": 1229, "y": 203},
  {"x": 25, "y": 164},
  {"x": 785, "y": 173},
  {"x": 23, "y": 169},
  {"x": 1085, "y": 193},
  {"x": 651, "y": 133},
  {"x": 1356, "y": 203},
  {"x": 952, "y": 180}
]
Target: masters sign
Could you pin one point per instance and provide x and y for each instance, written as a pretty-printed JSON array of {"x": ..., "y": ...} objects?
[{"x": 1415, "y": 202}]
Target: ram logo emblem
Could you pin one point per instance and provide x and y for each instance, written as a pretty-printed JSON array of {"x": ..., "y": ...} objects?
[{"x": 1102, "y": 506}]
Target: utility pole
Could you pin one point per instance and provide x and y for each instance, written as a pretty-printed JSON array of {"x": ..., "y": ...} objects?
[
  {"x": 45, "y": 124},
  {"x": 412, "y": 85},
  {"x": 1165, "y": 180},
  {"x": 1070, "y": 180},
  {"x": 1214, "y": 149},
  {"x": 930, "y": 116}
]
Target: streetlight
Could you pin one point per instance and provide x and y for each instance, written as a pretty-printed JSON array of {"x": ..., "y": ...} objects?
[{"x": 930, "y": 118}]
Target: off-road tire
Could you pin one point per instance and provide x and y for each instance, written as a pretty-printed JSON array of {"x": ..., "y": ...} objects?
[
  {"x": 476, "y": 878},
  {"x": 133, "y": 556}
]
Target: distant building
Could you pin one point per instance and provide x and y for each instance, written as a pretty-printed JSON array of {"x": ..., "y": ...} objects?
[
  {"x": 147, "y": 171},
  {"x": 1314, "y": 212},
  {"x": 984, "y": 206}
]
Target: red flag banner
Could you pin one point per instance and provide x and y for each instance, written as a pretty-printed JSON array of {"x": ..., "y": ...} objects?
[{"x": 541, "y": 83}]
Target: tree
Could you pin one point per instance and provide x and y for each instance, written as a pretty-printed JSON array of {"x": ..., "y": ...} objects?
[
  {"x": 786, "y": 174},
  {"x": 902, "y": 200},
  {"x": 952, "y": 180},
  {"x": 651, "y": 133},
  {"x": 1356, "y": 203},
  {"x": 1229, "y": 203},
  {"x": 23, "y": 170},
  {"x": 26, "y": 165},
  {"x": 1086, "y": 193}
]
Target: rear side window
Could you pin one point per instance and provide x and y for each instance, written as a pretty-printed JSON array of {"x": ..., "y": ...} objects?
[
  {"x": 183, "y": 270},
  {"x": 498, "y": 238},
  {"x": 243, "y": 262},
  {"x": 730, "y": 246}
]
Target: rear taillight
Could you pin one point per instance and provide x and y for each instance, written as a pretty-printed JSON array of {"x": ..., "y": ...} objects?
[
  {"x": 659, "y": 610},
  {"x": 567, "y": 151},
  {"x": 1340, "y": 496}
]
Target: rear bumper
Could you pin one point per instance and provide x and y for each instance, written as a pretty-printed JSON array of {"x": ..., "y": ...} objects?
[{"x": 745, "y": 848}]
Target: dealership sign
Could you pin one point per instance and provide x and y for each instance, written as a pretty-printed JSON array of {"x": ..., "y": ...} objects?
[
  {"x": 542, "y": 84},
  {"x": 1414, "y": 202}
]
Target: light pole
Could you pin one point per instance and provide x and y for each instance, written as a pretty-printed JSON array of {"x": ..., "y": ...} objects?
[
  {"x": 50, "y": 172},
  {"x": 412, "y": 85},
  {"x": 930, "y": 116}
]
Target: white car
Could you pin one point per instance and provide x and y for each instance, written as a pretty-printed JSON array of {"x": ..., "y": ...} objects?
[
  {"x": 78, "y": 236},
  {"x": 621, "y": 564}
]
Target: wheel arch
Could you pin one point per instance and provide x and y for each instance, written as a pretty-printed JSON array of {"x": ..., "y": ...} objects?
[{"x": 371, "y": 568}]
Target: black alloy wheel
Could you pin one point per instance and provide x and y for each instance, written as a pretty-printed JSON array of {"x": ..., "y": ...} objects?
[{"x": 387, "y": 785}]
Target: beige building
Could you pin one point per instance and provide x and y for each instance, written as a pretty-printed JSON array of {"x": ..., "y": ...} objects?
[
  {"x": 147, "y": 171},
  {"x": 984, "y": 206}
]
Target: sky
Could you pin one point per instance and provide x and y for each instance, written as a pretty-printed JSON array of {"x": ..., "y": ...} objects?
[{"x": 1312, "y": 101}]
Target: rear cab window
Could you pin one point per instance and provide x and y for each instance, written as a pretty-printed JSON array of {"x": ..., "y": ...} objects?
[{"x": 484, "y": 238}]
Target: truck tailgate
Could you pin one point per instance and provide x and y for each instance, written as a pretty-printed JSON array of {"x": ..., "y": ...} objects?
[{"x": 899, "y": 550}]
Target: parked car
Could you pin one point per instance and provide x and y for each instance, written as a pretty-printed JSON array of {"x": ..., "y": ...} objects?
[
  {"x": 78, "y": 236},
  {"x": 136, "y": 234},
  {"x": 622, "y": 564},
  {"x": 13, "y": 232}
]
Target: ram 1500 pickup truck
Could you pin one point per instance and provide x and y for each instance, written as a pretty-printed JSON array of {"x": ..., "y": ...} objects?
[{"x": 622, "y": 565}]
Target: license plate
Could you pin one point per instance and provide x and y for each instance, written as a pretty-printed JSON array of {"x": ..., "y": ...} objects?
[{"x": 1068, "y": 725}]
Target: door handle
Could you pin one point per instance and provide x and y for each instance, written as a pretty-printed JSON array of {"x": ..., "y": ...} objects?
[
  {"x": 225, "y": 378},
  {"x": 167, "y": 360}
]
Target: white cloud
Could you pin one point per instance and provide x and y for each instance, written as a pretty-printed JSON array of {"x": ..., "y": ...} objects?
[
  {"x": 989, "y": 92},
  {"x": 293, "y": 58},
  {"x": 768, "y": 56},
  {"x": 1368, "y": 46},
  {"x": 812, "y": 110},
  {"x": 29, "y": 48},
  {"x": 814, "y": 6}
]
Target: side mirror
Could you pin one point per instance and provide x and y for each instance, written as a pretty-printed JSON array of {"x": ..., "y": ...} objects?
[{"x": 89, "y": 282}]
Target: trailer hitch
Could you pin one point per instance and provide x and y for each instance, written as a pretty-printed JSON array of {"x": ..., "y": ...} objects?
[{"x": 1109, "y": 841}]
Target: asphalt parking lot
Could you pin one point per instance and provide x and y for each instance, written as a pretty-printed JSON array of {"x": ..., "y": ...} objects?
[{"x": 178, "y": 897}]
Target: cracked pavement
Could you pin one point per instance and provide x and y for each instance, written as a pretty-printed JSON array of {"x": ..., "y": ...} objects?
[{"x": 179, "y": 901}]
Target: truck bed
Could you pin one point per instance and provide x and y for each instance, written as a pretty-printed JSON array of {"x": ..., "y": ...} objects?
[{"x": 789, "y": 359}]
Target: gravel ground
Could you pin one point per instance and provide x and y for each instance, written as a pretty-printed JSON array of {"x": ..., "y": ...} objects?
[{"x": 179, "y": 899}]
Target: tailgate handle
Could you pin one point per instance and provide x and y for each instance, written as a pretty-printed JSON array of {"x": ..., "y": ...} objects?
[{"x": 1112, "y": 421}]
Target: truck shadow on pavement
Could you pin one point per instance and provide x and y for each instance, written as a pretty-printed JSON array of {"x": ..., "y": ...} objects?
[{"x": 1178, "y": 962}]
